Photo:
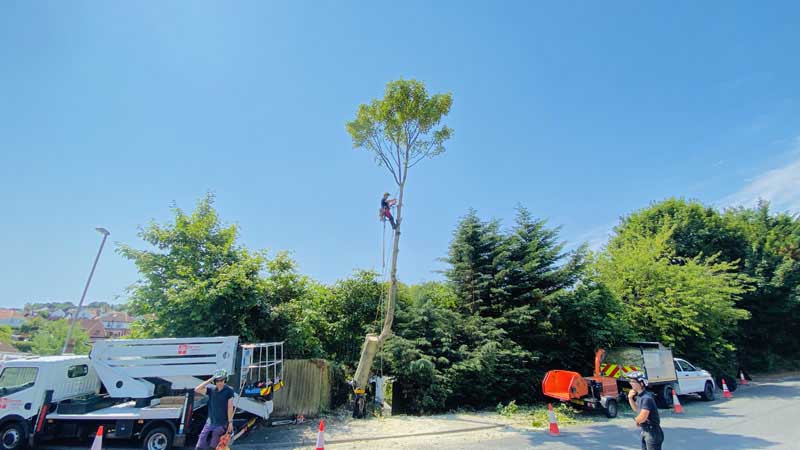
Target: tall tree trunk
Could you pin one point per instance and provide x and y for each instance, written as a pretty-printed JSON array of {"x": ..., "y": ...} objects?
[{"x": 373, "y": 343}]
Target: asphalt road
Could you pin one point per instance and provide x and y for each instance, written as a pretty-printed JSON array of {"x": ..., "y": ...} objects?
[{"x": 761, "y": 416}]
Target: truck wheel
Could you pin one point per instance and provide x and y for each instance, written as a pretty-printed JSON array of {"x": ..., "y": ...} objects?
[
  {"x": 708, "y": 392},
  {"x": 664, "y": 397},
  {"x": 611, "y": 409},
  {"x": 159, "y": 438},
  {"x": 12, "y": 436}
]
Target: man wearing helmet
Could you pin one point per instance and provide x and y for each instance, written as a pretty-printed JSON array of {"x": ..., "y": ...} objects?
[
  {"x": 386, "y": 209},
  {"x": 647, "y": 419},
  {"x": 220, "y": 409}
]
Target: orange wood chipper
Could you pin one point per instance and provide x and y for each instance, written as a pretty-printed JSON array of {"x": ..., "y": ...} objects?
[{"x": 595, "y": 392}]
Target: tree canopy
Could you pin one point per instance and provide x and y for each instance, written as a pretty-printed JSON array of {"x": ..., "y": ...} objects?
[
  {"x": 196, "y": 281},
  {"x": 720, "y": 288}
]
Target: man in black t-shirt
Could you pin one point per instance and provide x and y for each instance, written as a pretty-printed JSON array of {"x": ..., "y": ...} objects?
[
  {"x": 220, "y": 409},
  {"x": 647, "y": 419}
]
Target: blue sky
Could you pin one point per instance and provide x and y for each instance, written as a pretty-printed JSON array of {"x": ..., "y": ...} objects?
[{"x": 581, "y": 111}]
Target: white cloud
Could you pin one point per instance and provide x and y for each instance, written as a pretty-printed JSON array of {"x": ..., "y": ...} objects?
[{"x": 780, "y": 186}]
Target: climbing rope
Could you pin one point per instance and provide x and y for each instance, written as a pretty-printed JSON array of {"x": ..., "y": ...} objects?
[{"x": 383, "y": 249}]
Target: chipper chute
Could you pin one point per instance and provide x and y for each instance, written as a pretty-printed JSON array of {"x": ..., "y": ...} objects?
[
  {"x": 564, "y": 385},
  {"x": 597, "y": 392}
]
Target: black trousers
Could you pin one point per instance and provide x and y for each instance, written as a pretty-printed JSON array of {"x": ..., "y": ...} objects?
[{"x": 652, "y": 437}]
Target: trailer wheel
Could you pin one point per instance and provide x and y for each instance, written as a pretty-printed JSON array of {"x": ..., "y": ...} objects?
[
  {"x": 708, "y": 392},
  {"x": 159, "y": 438},
  {"x": 12, "y": 436},
  {"x": 611, "y": 409}
]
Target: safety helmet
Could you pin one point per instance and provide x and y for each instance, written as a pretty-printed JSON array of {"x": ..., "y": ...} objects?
[
  {"x": 638, "y": 376},
  {"x": 220, "y": 374},
  {"x": 385, "y": 194}
]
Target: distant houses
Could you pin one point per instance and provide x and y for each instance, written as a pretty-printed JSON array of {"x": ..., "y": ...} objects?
[
  {"x": 99, "y": 323},
  {"x": 57, "y": 314},
  {"x": 12, "y": 317},
  {"x": 94, "y": 328},
  {"x": 116, "y": 324}
]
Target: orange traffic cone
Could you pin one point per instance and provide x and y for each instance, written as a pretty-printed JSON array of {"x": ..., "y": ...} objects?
[
  {"x": 741, "y": 376},
  {"x": 321, "y": 436},
  {"x": 725, "y": 392},
  {"x": 553, "y": 422},
  {"x": 676, "y": 403},
  {"x": 98, "y": 439}
]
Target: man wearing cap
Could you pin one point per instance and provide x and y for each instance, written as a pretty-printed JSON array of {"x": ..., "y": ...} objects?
[
  {"x": 220, "y": 409},
  {"x": 648, "y": 420}
]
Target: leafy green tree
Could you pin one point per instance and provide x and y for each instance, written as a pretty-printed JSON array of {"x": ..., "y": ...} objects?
[
  {"x": 690, "y": 306},
  {"x": 769, "y": 340},
  {"x": 28, "y": 330},
  {"x": 5, "y": 333},
  {"x": 286, "y": 310},
  {"x": 763, "y": 246},
  {"x": 304, "y": 323},
  {"x": 197, "y": 282},
  {"x": 580, "y": 321},
  {"x": 31, "y": 326},
  {"x": 49, "y": 338},
  {"x": 441, "y": 294},
  {"x": 696, "y": 230},
  {"x": 400, "y": 130},
  {"x": 351, "y": 311}
]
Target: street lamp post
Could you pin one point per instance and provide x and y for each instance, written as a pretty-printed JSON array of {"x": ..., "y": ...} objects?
[{"x": 105, "y": 234}]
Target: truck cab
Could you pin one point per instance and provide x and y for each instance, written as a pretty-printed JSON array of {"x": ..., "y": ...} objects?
[
  {"x": 134, "y": 388},
  {"x": 693, "y": 380},
  {"x": 26, "y": 384}
]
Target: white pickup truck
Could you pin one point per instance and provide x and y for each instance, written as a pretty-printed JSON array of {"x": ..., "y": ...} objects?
[
  {"x": 693, "y": 380},
  {"x": 665, "y": 373}
]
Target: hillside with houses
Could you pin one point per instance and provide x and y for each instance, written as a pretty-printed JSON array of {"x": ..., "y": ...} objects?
[{"x": 99, "y": 320}]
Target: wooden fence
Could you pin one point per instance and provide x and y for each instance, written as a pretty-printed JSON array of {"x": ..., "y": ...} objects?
[{"x": 307, "y": 388}]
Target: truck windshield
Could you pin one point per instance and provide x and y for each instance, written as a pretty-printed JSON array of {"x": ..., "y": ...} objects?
[{"x": 15, "y": 379}]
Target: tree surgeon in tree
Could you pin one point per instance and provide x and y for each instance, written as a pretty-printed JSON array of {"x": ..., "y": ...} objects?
[{"x": 386, "y": 209}]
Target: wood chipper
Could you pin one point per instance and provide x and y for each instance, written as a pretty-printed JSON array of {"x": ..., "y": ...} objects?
[{"x": 595, "y": 392}]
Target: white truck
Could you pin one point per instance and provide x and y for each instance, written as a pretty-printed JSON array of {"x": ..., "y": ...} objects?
[
  {"x": 665, "y": 373},
  {"x": 136, "y": 388}
]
